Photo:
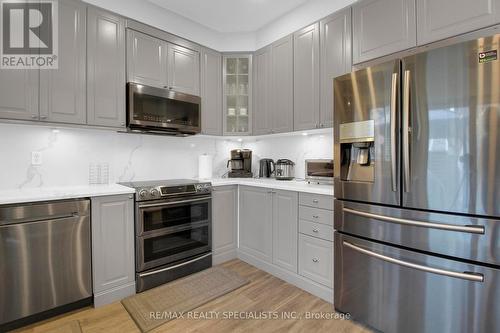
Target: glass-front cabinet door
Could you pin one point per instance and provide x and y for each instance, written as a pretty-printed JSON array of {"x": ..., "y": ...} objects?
[{"x": 237, "y": 89}]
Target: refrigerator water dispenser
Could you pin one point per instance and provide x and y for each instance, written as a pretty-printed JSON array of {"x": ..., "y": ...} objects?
[{"x": 358, "y": 151}]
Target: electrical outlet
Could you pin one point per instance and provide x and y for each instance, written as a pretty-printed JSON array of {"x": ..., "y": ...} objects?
[{"x": 36, "y": 158}]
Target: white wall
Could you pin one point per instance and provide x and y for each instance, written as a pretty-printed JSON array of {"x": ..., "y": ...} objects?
[
  {"x": 161, "y": 18},
  {"x": 66, "y": 155},
  {"x": 297, "y": 148},
  {"x": 149, "y": 13}
]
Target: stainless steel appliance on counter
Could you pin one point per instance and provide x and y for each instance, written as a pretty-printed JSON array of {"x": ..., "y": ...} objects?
[
  {"x": 417, "y": 187},
  {"x": 162, "y": 111},
  {"x": 285, "y": 170},
  {"x": 173, "y": 225},
  {"x": 240, "y": 164},
  {"x": 319, "y": 171},
  {"x": 266, "y": 168},
  {"x": 45, "y": 260}
]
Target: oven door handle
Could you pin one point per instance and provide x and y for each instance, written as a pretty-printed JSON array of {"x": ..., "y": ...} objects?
[
  {"x": 175, "y": 266},
  {"x": 160, "y": 204},
  {"x": 173, "y": 230},
  {"x": 476, "y": 277}
]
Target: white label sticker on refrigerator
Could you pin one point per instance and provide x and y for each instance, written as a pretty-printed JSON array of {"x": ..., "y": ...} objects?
[{"x": 488, "y": 56}]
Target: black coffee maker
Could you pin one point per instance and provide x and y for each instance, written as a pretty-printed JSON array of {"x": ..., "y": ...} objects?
[
  {"x": 240, "y": 164},
  {"x": 266, "y": 169}
]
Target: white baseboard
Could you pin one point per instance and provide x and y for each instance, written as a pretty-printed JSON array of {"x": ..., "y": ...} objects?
[
  {"x": 219, "y": 258},
  {"x": 297, "y": 280},
  {"x": 113, "y": 295}
]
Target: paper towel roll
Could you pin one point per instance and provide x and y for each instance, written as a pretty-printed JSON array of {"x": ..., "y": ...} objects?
[{"x": 205, "y": 166}]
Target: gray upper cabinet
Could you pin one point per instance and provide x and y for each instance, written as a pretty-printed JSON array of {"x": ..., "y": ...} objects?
[
  {"x": 282, "y": 85},
  {"x": 335, "y": 59},
  {"x": 306, "y": 78},
  {"x": 285, "y": 229},
  {"x": 105, "y": 69},
  {"x": 19, "y": 94},
  {"x": 439, "y": 19},
  {"x": 113, "y": 258},
  {"x": 63, "y": 90},
  {"x": 262, "y": 92},
  {"x": 256, "y": 208},
  {"x": 146, "y": 59},
  {"x": 381, "y": 27},
  {"x": 237, "y": 78},
  {"x": 211, "y": 92},
  {"x": 183, "y": 70}
]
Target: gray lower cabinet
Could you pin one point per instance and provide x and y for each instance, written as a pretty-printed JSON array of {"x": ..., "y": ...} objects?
[
  {"x": 183, "y": 69},
  {"x": 282, "y": 85},
  {"x": 316, "y": 259},
  {"x": 105, "y": 69},
  {"x": 285, "y": 229},
  {"x": 255, "y": 223},
  {"x": 113, "y": 259},
  {"x": 382, "y": 27},
  {"x": 262, "y": 92},
  {"x": 146, "y": 59},
  {"x": 440, "y": 19},
  {"x": 335, "y": 58},
  {"x": 63, "y": 90},
  {"x": 224, "y": 223},
  {"x": 306, "y": 78},
  {"x": 211, "y": 92},
  {"x": 19, "y": 94}
]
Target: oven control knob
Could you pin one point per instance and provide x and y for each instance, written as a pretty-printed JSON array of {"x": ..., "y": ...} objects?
[
  {"x": 143, "y": 193},
  {"x": 154, "y": 192}
]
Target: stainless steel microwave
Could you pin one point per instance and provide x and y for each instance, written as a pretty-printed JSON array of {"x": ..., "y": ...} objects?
[
  {"x": 319, "y": 171},
  {"x": 163, "y": 111}
]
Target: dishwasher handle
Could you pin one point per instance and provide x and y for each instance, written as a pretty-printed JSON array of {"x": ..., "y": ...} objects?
[
  {"x": 43, "y": 211},
  {"x": 51, "y": 218}
]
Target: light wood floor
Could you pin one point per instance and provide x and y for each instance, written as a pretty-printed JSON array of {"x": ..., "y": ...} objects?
[{"x": 264, "y": 293}]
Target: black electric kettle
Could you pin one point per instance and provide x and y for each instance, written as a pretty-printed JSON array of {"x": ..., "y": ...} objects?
[{"x": 266, "y": 169}]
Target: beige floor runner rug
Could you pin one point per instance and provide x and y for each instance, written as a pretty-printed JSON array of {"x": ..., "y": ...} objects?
[{"x": 181, "y": 295}]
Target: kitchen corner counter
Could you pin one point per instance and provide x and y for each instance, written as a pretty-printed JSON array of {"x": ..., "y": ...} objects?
[
  {"x": 12, "y": 196},
  {"x": 288, "y": 185}
]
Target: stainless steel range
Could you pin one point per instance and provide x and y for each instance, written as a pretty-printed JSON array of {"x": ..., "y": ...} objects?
[{"x": 173, "y": 230}]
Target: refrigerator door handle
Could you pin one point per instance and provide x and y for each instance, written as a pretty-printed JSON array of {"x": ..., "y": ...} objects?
[
  {"x": 450, "y": 227},
  {"x": 394, "y": 106},
  {"x": 475, "y": 277},
  {"x": 406, "y": 130}
]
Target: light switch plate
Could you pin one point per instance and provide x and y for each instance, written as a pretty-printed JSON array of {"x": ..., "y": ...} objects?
[{"x": 36, "y": 158}]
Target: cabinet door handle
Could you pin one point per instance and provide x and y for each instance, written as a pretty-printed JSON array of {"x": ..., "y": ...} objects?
[
  {"x": 315, "y": 200},
  {"x": 315, "y": 230},
  {"x": 43, "y": 117},
  {"x": 316, "y": 216},
  {"x": 315, "y": 260}
]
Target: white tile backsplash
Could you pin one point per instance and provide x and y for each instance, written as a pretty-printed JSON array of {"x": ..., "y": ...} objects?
[{"x": 68, "y": 154}]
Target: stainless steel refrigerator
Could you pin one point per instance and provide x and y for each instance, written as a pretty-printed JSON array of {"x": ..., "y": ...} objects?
[{"x": 417, "y": 191}]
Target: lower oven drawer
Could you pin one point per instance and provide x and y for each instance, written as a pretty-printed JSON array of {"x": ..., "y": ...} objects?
[
  {"x": 397, "y": 290},
  {"x": 167, "y": 247},
  {"x": 163, "y": 274}
]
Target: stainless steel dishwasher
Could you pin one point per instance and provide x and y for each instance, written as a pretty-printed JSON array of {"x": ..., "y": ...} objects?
[{"x": 45, "y": 257}]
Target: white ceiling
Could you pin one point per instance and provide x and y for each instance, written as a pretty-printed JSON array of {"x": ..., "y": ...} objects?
[{"x": 231, "y": 15}]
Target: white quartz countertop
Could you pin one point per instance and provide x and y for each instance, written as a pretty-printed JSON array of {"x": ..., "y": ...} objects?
[
  {"x": 11, "y": 196},
  {"x": 289, "y": 185}
]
